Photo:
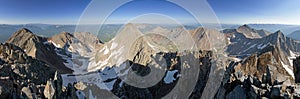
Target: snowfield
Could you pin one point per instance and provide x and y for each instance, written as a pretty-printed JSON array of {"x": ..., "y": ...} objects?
[{"x": 98, "y": 78}]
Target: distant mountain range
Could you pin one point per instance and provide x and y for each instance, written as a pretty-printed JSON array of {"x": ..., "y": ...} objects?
[
  {"x": 286, "y": 29},
  {"x": 108, "y": 31},
  {"x": 48, "y": 30},
  {"x": 295, "y": 35}
]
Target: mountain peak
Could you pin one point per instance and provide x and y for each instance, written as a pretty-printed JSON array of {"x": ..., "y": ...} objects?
[
  {"x": 66, "y": 33},
  {"x": 24, "y": 30},
  {"x": 129, "y": 28},
  {"x": 279, "y": 32},
  {"x": 88, "y": 38},
  {"x": 158, "y": 28},
  {"x": 22, "y": 34},
  {"x": 245, "y": 26},
  {"x": 129, "y": 25},
  {"x": 62, "y": 39},
  {"x": 251, "y": 32}
]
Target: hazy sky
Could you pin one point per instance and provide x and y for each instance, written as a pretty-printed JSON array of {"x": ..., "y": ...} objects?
[{"x": 228, "y": 11}]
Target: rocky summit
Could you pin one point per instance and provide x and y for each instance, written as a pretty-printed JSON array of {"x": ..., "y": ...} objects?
[{"x": 149, "y": 61}]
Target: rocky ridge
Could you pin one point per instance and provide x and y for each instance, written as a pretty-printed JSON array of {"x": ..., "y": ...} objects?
[
  {"x": 38, "y": 47},
  {"x": 249, "y": 32}
]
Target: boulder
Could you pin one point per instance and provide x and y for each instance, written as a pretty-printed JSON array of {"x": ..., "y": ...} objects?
[
  {"x": 49, "y": 90},
  {"x": 80, "y": 86}
]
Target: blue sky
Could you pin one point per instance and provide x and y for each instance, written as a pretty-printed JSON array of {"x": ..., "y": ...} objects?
[
  {"x": 228, "y": 11},
  {"x": 150, "y": 11},
  {"x": 41, "y": 11},
  {"x": 257, "y": 11}
]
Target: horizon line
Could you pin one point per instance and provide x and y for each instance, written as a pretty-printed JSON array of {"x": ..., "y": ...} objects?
[{"x": 145, "y": 23}]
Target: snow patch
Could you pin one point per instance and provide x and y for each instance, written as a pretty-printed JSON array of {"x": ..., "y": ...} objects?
[
  {"x": 250, "y": 47},
  {"x": 121, "y": 83},
  {"x": 70, "y": 49},
  {"x": 115, "y": 58},
  {"x": 286, "y": 67},
  {"x": 152, "y": 46},
  {"x": 229, "y": 42},
  {"x": 67, "y": 57},
  {"x": 248, "y": 43},
  {"x": 293, "y": 54},
  {"x": 113, "y": 45},
  {"x": 170, "y": 76},
  {"x": 105, "y": 49},
  {"x": 46, "y": 42},
  {"x": 56, "y": 45},
  {"x": 236, "y": 59},
  {"x": 104, "y": 79},
  {"x": 233, "y": 36},
  {"x": 262, "y": 46}
]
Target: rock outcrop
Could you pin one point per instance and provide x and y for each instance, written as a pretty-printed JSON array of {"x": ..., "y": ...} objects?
[{"x": 260, "y": 75}]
